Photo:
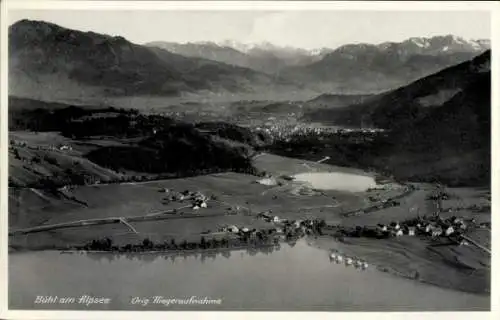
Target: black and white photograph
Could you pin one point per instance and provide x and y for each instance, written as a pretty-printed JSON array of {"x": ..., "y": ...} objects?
[{"x": 245, "y": 157}]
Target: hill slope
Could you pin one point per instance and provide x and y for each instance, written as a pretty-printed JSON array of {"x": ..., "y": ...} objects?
[
  {"x": 112, "y": 145},
  {"x": 438, "y": 127},
  {"x": 412, "y": 102}
]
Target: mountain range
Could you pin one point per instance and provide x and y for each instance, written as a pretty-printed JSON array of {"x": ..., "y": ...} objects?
[
  {"x": 365, "y": 68},
  {"x": 263, "y": 57},
  {"x": 352, "y": 68},
  {"x": 47, "y": 61}
]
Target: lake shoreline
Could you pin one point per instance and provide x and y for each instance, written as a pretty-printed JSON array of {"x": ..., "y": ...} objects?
[
  {"x": 167, "y": 252},
  {"x": 397, "y": 269}
]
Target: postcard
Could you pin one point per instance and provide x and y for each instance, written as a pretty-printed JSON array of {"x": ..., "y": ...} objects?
[{"x": 322, "y": 157}]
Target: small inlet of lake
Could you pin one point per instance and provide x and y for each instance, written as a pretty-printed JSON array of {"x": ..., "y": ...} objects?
[{"x": 337, "y": 181}]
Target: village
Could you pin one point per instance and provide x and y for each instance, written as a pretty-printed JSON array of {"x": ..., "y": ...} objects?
[
  {"x": 435, "y": 229},
  {"x": 286, "y": 131}
]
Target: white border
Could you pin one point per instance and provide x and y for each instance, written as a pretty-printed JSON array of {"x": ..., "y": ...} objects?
[
  {"x": 491, "y": 6},
  {"x": 254, "y": 5}
]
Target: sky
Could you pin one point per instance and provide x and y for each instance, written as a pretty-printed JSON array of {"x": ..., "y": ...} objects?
[{"x": 303, "y": 29}]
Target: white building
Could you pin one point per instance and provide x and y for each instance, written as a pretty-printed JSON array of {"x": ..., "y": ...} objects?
[
  {"x": 268, "y": 182},
  {"x": 449, "y": 231},
  {"x": 436, "y": 232},
  {"x": 382, "y": 228},
  {"x": 65, "y": 147},
  {"x": 411, "y": 231},
  {"x": 428, "y": 228}
]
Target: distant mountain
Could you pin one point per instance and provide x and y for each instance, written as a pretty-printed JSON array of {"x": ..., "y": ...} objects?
[
  {"x": 289, "y": 55},
  {"x": 364, "y": 68},
  {"x": 264, "y": 58},
  {"x": 439, "y": 126},
  {"x": 283, "y": 52},
  {"x": 437, "y": 45},
  {"x": 227, "y": 55},
  {"x": 47, "y": 60},
  {"x": 349, "y": 69}
]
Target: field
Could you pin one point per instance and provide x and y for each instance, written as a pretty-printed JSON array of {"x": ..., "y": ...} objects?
[
  {"x": 33, "y": 156},
  {"x": 236, "y": 194}
]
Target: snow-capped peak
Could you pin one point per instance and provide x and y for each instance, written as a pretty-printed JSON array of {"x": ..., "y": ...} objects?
[
  {"x": 420, "y": 45},
  {"x": 420, "y": 42},
  {"x": 267, "y": 46}
]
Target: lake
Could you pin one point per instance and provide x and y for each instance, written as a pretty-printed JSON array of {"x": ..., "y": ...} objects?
[
  {"x": 337, "y": 181},
  {"x": 298, "y": 277}
]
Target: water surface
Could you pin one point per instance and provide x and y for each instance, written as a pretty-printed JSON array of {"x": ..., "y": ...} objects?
[
  {"x": 337, "y": 181},
  {"x": 291, "y": 278}
]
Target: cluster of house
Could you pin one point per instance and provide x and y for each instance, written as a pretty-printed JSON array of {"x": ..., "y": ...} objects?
[
  {"x": 286, "y": 130},
  {"x": 291, "y": 227},
  {"x": 61, "y": 147},
  {"x": 65, "y": 147},
  {"x": 14, "y": 143},
  {"x": 198, "y": 200},
  {"x": 270, "y": 218},
  {"x": 234, "y": 229},
  {"x": 283, "y": 229},
  {"x": 395, "y": 229},
  {"x": 434, "y": 227},
  {"x": 363, "y": 130}
]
